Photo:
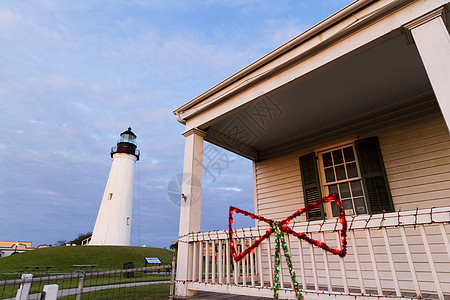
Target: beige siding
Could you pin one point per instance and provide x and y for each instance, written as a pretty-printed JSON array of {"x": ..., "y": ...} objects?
[
  {"x": 416, "y": 153},
  {"x": 417, "y": 160},
  {"x": 278, "y": 186}
]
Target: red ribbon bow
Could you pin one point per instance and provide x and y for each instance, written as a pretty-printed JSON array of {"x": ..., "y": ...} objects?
[{"x": 282, "y": 225}]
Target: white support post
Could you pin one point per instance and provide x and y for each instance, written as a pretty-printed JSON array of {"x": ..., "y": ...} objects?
[
  {"x": 433, "y": 43},
  {"x": 206, "y": 261},
  {"x": 269, "y": 259},
  {"x": 445, "y": 239},
  {"x": 252, "y": 265},
  {"x": 228, "y": 263},
  {"x": 220, "y": 263},
  {"x": 288, "y": 244},
  {"x": 50, "y": 292},
  {"x": 190, "y": 263},
  {"x": 313, "y": 263},
  {"x": 80, "y": 287},
  {"x": 24, "y": 289},
  {"x": 260, "y": 265},
  {"x": 341, "y": 262},
  {"x": 302, "y": 263},
  {"x": 172, "y": 280},
  {"x": 190, "y": 206},
  {"x": 431, "y": 262},
  {"x": 235, "y": 269},
  {"x": 410, "y": 260},
  {"x": 374, "y": 262},
  {"x": 200, "y": 261},
  {"x": 224, "y": 260},
  {"x": 281, "y": 268},
  {"x": 238, "y": 267},
  {"x": 325, "y": 262},
  {"x": 244, "y": 269},
  {"x": 213, "y": 267},
  {"x": 247, "y": 264},
  {"x": 195, "y": 262},
  {"x": 357, "y": 263},
  {"x": 391, "y": 262}
]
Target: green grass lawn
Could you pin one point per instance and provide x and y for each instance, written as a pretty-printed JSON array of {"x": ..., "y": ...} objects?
[
  {"x": 10, "y": 291},
  {"x": 63, "y": 257},
  {"x": 106, "y": 257}
]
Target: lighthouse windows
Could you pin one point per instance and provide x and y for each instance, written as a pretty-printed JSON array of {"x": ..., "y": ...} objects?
[
  {"x": 128, "y": 138},
  {"x": 109, "y": 196},
  {"x": 128, "y": 220}
]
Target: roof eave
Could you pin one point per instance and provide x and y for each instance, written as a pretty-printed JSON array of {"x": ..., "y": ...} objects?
[{"x": 308, "y": 34}]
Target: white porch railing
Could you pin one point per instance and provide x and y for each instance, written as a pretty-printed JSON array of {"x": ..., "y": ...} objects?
[{"x": 402, "y": 254}]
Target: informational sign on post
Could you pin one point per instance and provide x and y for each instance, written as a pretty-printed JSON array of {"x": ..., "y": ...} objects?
[{"x": 152, "y": 260}]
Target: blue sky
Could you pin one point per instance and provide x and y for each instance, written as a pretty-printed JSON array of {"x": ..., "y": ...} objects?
[{"x": 75, "y": 74}]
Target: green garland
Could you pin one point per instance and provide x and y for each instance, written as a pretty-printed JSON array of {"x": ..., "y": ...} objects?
[
  {"x": 279, "y": 228},
  {"x": 279, "y": 240}
]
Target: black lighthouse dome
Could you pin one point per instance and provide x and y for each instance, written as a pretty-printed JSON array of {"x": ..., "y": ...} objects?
[{"x": 126, "y": 144}]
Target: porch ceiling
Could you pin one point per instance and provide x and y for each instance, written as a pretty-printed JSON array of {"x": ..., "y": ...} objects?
[{"x": 384, "y": 73}]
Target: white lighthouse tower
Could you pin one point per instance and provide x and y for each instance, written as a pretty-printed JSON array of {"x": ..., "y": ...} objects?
[{"x": 113, "y": 225}]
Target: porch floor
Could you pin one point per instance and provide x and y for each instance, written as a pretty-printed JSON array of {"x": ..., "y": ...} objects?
[{"x": 213, "y": 296}]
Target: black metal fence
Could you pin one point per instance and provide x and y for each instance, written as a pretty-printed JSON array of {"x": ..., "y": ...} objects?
[{"x": 155, "y": 282}]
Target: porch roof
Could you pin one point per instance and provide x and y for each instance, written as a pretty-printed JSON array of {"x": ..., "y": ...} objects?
[{"x": 355, "y": 66}]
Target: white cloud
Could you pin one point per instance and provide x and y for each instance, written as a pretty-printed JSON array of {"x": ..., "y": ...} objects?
[
  {"x": 8, "y": 18},
  {"x": 280, "y": 31},
  {"x": 233, "y": 189}
]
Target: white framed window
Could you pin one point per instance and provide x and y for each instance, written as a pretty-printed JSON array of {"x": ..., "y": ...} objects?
[
  {"x": 355, "y": 170},
  {"x": 110, "y": 195},
  {"x": 339, "y": 173}
]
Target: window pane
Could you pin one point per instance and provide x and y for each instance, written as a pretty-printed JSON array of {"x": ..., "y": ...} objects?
[
  {"x": 333, "y": 189},
  {"x": 356, "y": 188},
  {"x": 351, "y": 170},
  {"x": 329, "y": 174},
  {"x": 345, "y": 191},
  {"x": 343, "y": 177},
  {"x": 335, "y": 209},
  {"x": 348, "y": 154},
  {"x": 348, "y": 207},
  {"x": 327, "y": 159},
  {"x": 337, "y": 157},
  {"x": 340, "y": 172},
  {"x": 360, "y": 206}
]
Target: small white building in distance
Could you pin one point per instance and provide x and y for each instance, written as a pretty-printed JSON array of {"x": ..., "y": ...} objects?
[{"x": 12, "y": 247}]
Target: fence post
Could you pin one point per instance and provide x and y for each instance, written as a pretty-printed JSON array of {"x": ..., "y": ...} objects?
[
  {"x": 172, "y": 278},
  {"x": 80, "y": 287},
  {"x": 24, "y": 289},
  {"x": 50, "y": 292}
]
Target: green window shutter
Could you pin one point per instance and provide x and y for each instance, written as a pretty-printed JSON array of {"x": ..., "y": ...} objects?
[
  {"x": 311, "y": 185},
  {"x": 373, "y": 174}
]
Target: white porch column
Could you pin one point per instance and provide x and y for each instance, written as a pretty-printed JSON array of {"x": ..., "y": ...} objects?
[
  {"x": 190, "y": 204},
  {"x": 433, "y": 42}
]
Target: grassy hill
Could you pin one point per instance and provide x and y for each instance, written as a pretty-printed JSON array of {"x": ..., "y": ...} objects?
[{"x": 62, "y": 258}]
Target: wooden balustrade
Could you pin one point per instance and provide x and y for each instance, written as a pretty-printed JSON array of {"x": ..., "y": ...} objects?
[{"x": 389, "y": 255}]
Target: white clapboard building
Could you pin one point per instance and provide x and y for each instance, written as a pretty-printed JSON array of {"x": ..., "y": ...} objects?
[{"x": 357, "y": 105}]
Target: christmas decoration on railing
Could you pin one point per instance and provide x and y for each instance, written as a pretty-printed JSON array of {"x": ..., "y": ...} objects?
[
  {"x": 402, "y": 218},
  {"x": 282, "y": 226}
]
